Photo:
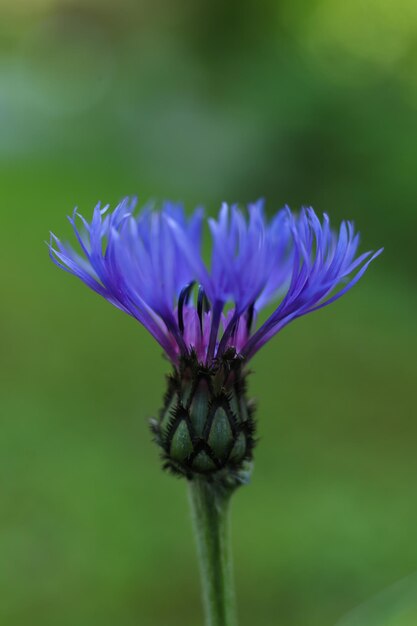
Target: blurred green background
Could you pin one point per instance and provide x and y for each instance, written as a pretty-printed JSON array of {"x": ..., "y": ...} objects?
[{"x": 302, "y": 103}]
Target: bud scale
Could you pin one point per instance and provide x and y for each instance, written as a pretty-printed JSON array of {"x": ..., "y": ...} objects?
[{"x": 206, "y": 426}]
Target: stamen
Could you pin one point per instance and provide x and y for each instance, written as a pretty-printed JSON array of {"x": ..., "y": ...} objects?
[
  {"x": 183, "y": 299},
  {"x": 215, "y": 322},
  {"x": 229, "y": 332},
  {"x": 249, "y": 316},
  {"x": 234, "y": 328},
  {"x": 202, "y": 305}
]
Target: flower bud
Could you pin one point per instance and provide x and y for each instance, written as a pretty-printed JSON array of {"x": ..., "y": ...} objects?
[{"x": 206, "y": 425}]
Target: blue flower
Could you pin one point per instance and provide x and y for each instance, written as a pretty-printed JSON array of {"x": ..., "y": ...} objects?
[{"x": 150, "y": 264}]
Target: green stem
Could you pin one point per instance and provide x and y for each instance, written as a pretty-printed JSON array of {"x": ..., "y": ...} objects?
[{"x": 210, "y": 508}]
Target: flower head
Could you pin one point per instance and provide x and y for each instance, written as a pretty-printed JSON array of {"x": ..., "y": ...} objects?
[{"x": 150, "y": 265}]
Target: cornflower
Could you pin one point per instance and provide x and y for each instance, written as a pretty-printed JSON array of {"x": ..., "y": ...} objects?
[{"x": 205, "y": 317}]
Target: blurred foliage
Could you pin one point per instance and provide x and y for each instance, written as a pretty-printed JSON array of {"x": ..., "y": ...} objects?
[{"x": 300, "y": 102}]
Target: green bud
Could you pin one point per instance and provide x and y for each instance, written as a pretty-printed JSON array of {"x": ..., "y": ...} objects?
[{"x": 206, "y": 425}]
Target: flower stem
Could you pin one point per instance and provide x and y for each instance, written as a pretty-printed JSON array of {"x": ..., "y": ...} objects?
[{"x": 210, "y": 513}]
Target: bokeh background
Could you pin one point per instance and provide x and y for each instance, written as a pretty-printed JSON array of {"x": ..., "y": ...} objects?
[{"x": 301, "y": 102}]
